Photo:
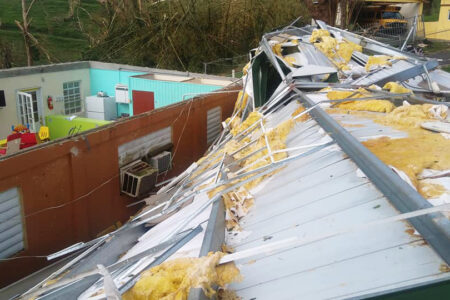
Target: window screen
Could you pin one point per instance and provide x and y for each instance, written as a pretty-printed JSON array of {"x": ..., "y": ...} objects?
[
  {"x": 11, "y": 227},
  {"x": 213, "y": 124}
]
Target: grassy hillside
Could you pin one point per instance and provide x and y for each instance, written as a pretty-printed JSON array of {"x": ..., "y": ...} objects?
[{"x": 57, "y": 33}]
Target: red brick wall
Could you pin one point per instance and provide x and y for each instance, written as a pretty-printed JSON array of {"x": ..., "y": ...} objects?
[{"x": 53, "y": 177}]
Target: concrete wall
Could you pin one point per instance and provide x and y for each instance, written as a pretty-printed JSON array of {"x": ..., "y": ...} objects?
[
  {"x": 51, "y": 84},
  {"x": 94, "y": 77},
  {"x": 410, "y": 10},
  {"x": 70, "y": 188},
  {"x": 440, "y": 30}
]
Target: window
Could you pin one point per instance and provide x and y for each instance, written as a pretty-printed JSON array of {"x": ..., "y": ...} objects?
[
  {"x": 392, "y": 15},
  {"x": 72, "y": 97},
  {"x": 11, "y": 227},
  {"x": 213, "y": 124},
  {"x": 431, "y": 10}
]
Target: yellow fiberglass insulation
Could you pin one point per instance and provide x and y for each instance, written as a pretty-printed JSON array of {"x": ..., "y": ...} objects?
[
  {"x": 346, "y": 48},
  {"x": 277, "y": 49},
  {"x": 409, "y": 116},
  {"x": 339, "y": 53},
  {"x": 252, "y": 118},
  {"x": 317, "y": 34},
  {"x": 241, "y": 102},
  {"x": 299, "y": 110},
  {"x": 430, "y": 190},
  {"x": 327, "y": 45},
  {"x": 366, "y": 105},
  {"x": 277, "y": 141},
  {"x": 377, "y": 61},
  {"x": 289, "y": 60},
  {"x": 233, "y": 123},
  {"x": 172, "y": 280},
  {"x": 237, "y": 203},
  {"x": 245, "y": 68},
  {"x": 421, "y": 150},
  {"x": 396, "y": 88}
]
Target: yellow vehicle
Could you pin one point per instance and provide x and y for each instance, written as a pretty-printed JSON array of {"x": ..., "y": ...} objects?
[{"x": 383, "y": 19}]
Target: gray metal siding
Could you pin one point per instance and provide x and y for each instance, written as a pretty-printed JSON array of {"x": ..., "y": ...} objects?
[
  {"x": 213, "y": 123},
  {"x": 11, "y": 227},
  {"x": 138, "y": 148}
]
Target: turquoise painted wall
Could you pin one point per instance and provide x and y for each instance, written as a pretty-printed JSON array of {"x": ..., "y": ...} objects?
[
  {"x": 59, "y": 125},
  {"x": 106, "y": 80},
  {"x": 167, "y": 92}
]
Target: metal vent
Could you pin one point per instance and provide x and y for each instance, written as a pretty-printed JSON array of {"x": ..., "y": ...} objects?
[
  {"x": 139, "y": 179},
  {"x": 11, "y": 227},
  {"x": 213, "y": 124},
  {"x": 162, "y": 161}
]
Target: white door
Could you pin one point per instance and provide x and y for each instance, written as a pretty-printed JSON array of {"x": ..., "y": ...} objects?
[{"x": 29, "y": 110}]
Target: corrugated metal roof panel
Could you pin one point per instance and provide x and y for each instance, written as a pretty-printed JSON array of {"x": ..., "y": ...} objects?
[
  {"x": 398, "y": 66},
  {"x": 318, "y": 194}
]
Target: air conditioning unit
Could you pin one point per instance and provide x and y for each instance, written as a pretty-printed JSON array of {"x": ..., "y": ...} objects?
[
  {"x": 162, "y": 161},
  {"x": 139, "y": 179}
]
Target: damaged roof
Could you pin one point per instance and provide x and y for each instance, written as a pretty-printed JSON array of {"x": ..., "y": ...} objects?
[{"x": 296, "y": 190}]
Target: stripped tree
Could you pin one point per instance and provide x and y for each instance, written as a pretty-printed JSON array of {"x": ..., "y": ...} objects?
[
  {"x": 29, "y": 39},
  {"x": 24, "y": 28}
]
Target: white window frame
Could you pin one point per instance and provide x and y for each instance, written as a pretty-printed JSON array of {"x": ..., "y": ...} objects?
[
  {"x": 40, "y": 120},
  {"x": 71, "y": 97}
]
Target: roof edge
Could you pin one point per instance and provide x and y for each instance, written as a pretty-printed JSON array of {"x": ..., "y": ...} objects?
[{"x": 68, "y": 66}]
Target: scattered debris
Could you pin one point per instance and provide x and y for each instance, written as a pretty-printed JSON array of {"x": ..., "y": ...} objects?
[{"x": 300, "y": 84}]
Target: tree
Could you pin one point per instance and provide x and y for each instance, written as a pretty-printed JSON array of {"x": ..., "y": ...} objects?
[
  {"x": 29, "y": 40},
  {"x": 24, "y": 28},
  {"x": 73, "y": 4},
  {"x": 182, "y": 34},
  {"x": 323, "y": 10},
  {"x": 6, "y": 60}
]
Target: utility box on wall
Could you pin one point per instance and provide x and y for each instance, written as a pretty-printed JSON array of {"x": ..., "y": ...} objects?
[{"x": 122, "y": 93}]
